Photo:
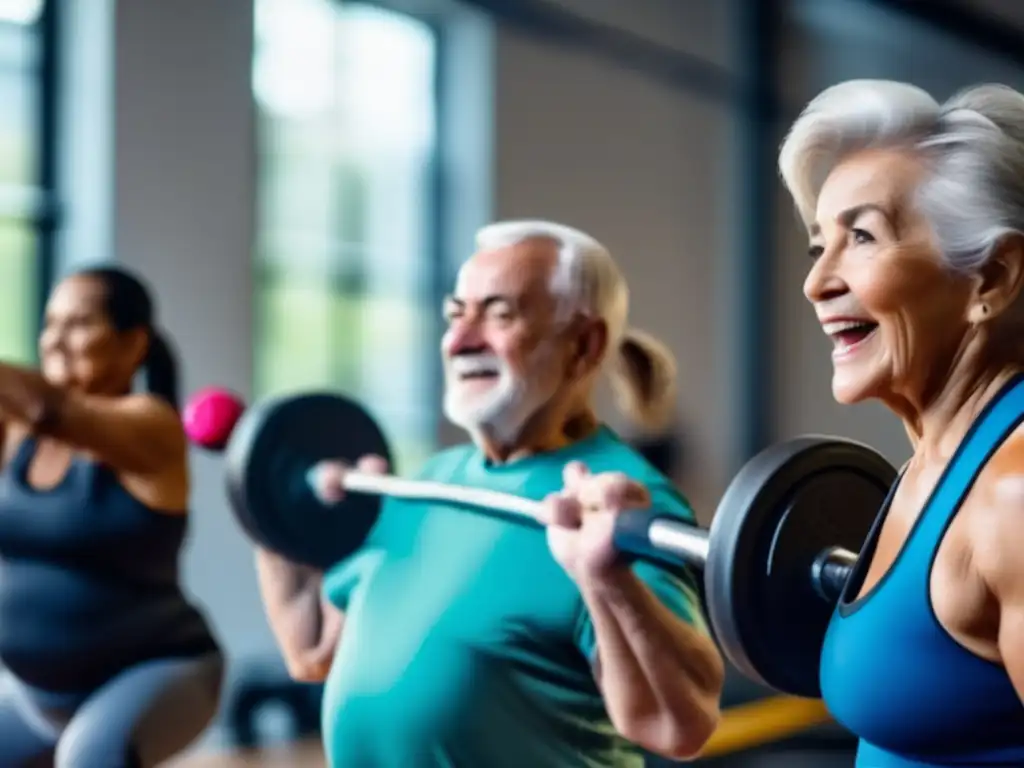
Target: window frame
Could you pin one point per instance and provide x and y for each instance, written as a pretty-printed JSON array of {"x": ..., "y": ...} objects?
[
  {"x": 432, "y": 15},
  {"x": 47, "y": 218}
]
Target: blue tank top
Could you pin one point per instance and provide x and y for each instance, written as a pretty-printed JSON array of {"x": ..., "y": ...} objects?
[
  {"x": 89, "y": 579},
  {"x": 890, "y": 673}
]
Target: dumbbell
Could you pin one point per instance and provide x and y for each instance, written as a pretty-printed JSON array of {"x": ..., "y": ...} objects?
[{"x": 775, "y": 560}]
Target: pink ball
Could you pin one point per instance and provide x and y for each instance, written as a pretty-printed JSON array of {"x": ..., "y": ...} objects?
[{"x": 210, "y": 415}]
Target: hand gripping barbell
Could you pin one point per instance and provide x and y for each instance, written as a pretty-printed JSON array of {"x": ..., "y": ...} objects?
[{"x": 780, "y": 549}]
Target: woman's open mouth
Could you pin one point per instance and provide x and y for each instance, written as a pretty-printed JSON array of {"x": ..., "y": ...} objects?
[{"x": 849, "y": 335}]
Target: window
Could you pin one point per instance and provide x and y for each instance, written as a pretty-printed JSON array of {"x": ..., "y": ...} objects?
[
  {"x": 345, "y": 259},
  {"x": 26, "y": 89}
]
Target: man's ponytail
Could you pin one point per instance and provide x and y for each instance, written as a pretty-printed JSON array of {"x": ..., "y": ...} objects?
[{"x": 643, "y": 376}]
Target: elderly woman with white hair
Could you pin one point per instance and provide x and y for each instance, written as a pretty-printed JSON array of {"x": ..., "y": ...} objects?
[{"x": 915, "y": 212}]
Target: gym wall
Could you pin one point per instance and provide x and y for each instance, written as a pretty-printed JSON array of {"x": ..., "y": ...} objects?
[{"x": 645, "y": 167}]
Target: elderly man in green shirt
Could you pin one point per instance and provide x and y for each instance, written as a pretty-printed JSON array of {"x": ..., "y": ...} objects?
[{"x": 457, "y": 639}]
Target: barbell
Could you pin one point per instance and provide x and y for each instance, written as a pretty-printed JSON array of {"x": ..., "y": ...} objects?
[{"x": 778, "y": 554}]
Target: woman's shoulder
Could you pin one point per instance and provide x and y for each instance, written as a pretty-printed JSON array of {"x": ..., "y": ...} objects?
[
  {"x": 996, "y": 527},
  {"x": 144, "y": 402},
  {"x": 1004, "y": 471},
  {"x": 997, "y": 506}
]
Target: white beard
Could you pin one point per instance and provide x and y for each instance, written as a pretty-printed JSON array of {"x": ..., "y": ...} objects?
[{"x": 504, "y": 409}]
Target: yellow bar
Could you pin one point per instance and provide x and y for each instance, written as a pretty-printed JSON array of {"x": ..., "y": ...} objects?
[
  {"x": 742, "y": 727},
  {"x": 763, "y": 722}
]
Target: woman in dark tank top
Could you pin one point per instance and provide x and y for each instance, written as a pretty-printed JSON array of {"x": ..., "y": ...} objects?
[{"x": 104, "y": 661}]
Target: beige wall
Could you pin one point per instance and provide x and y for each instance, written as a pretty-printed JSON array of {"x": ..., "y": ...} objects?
[{"x": 645, "y": 169}]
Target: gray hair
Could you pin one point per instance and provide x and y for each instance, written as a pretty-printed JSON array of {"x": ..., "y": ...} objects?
[
  {"x": 973, "y": 145},
  {"x": 587, "y": 280}
]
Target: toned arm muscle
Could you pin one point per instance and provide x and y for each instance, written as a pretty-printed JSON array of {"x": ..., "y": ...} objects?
[{"x": 1002, "y": 567}]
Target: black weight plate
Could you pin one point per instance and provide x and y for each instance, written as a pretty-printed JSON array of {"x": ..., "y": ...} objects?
[
  {"x": 786, "y": 506},
  {"x": 270, "y": 452}
]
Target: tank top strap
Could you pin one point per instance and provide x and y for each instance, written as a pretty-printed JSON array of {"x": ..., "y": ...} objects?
[
  {"x": 80, "y": 476},
  {"x": 17, "y": 467},
  {"x": 1003, "y": 414}
]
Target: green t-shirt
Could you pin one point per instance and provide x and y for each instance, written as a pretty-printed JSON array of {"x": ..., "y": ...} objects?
[{"x": 465, "y": 643}]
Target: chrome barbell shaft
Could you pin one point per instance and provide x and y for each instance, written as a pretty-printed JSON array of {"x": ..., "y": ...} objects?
[
  {"x": 687, "y": 542},
  {"x": 426, "y": 490},
  {"x": 682, "y": 540}
]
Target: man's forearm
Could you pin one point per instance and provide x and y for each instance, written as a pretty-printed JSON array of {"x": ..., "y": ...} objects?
[
  {"x": 653, "y": 666},
  {"x": 291, "y": 600}
]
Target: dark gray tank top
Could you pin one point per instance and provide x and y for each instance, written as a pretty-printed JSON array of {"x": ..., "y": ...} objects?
[{"x": 89, "y": 579}]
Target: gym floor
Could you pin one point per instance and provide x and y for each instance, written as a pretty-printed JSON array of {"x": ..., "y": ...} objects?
[
  {"x": 309, "y": 755},
  {"x": 757, "y": 731},
  {"x": 306, "y": 755}
]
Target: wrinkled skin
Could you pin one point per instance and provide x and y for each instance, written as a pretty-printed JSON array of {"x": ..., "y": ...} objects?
[{"x": 875, "y": 260}]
